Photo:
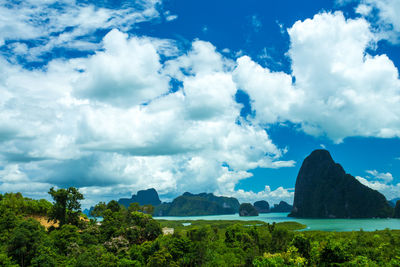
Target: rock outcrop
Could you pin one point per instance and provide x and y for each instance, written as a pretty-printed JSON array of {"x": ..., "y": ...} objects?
[
  {"x": 282, "y": 207},
  {"x": 198, "y": 204},
  {"x": 246, "y": 209},
  {"x": 324, "y": 190},
  {"x": 396, "y": 213},
  {"x": 262, "y": 206},
  {"x": 143, "y": 197}
]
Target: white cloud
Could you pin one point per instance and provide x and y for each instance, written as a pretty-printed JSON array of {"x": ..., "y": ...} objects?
[
  {"x": 200, "y": 60},
  {"x": 271, "y": 93},
  {"x": 346, "y": 92},
  {"x": 12, "y": 179},
  {"x": 189, "y": 140},
  {"x": 389, "y": 190},
  {"x": 386, "y": 18},
  {"x": 272, "y": 196},
  {"x": 384, "y": 186},
  {"x": 68, "y": 24},
  {"x": 82, "y": 121},
  {"x": 339, "y": 90},
  {"x": 386, "y": 177},
  {"x": 363, "y": 9},
  {"x": 169, "y": 17},
  {"x": 126, "y": 73}
]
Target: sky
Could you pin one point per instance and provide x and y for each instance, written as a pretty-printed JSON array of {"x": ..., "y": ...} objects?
[{"x": 226, "y": 97}]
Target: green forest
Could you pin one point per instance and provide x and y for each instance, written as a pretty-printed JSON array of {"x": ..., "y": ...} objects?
[{"x": 41, "y": 233}]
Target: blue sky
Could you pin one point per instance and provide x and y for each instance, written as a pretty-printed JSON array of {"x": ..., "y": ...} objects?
[{"x": 219, "y": 96}]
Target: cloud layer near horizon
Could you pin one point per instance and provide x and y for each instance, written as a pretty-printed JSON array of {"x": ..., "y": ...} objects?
[{"x": 140, "y": 112}]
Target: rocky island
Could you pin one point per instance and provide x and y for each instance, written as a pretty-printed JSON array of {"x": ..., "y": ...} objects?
[
  {"x": 143, "y": 197},
  {"x": 190, "y": 204},
  {"x": 246, "y": 209},
  {"x": 324, "y": 190},
  {"x": 262, "y": 206}
]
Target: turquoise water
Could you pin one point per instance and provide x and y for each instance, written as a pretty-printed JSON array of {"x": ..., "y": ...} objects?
[{"x": 312, "y": 224}]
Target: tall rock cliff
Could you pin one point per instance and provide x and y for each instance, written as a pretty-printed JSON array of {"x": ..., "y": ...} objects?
[
  {"x": 324, "y": 190},
  {"x": 143, "y": 197},
  {"x": 262, "y": 206}
]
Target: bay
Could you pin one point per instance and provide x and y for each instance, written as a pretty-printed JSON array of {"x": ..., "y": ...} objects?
[{"x": 312, "y": 224}]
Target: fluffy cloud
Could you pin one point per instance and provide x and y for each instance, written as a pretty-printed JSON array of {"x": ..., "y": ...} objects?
[
  {"x": 272, "y": 94},
  {"x": 272, "y": 196},
  {"x": 347, "y": 92},
  {"x": 381, "y": 182},
  {"x": 138, "y": 112},
  {"x": 390, "y": 191},
  {"x": 339, "y": 90},
  {"x": 126, "y": 73},
  {"x": 386, "y": 177},
  {"x": 81, "y": 122},
  {"x": 384, "y": 14}
]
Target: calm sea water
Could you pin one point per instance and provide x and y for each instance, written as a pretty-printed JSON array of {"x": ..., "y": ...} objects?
[{"x": 312, "y": 224}]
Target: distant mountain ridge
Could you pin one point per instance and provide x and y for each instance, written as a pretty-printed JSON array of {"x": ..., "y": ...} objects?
[
  {"x": 190, "y": 204},
  {"x": 324, "y": 190}
]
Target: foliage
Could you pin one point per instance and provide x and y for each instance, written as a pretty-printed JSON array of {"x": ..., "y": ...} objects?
[
  {"x": 129, "y": 237},
  {"x": 66, "y": 209},
  {"x": 22, "y": 205}
]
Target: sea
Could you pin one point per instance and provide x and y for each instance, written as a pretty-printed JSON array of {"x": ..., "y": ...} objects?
[{"x": 338, "y": 225}]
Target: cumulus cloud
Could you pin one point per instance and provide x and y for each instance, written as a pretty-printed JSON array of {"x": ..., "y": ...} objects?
[
  {"x": 336, "y": 89},
  {"x": 390, "y": 191},
  {"x": 82, "y": 122},
  {"x": 110, "y": 122},
  {"x": 272, "y": 94},
  {"x": 386, "y": 177},
  {"x": 346, "y": 91},
  {"x": 126, "y": 73}
]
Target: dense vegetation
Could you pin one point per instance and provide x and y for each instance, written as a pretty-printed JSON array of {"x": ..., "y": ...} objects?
[{"x": 129, "y": 237}]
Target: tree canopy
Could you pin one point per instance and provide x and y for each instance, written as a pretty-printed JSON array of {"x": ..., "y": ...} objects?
[{"x": 66, "y": 208}]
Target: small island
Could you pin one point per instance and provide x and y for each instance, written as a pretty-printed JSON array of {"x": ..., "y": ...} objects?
[{"x": 246, "y": 209}]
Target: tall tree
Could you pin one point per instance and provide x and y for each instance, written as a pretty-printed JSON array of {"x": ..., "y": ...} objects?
[{"x": 66, "y": 208}]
